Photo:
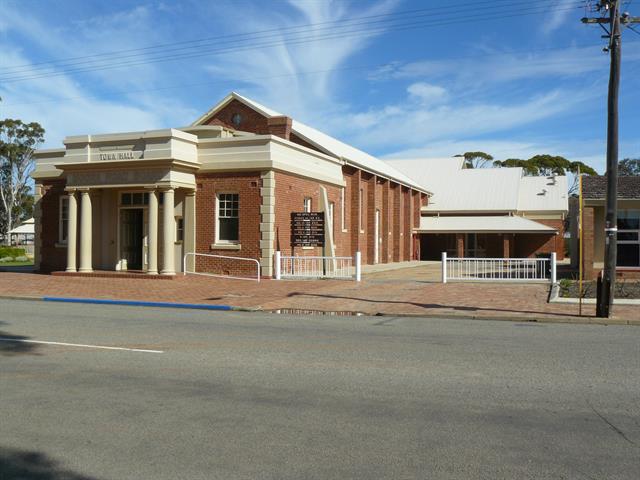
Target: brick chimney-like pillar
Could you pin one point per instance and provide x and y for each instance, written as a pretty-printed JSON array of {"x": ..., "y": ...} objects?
[{"x": 280, "y": 126}]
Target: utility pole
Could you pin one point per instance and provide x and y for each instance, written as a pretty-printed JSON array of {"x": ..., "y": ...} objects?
[{"x": 605, "y": 294}]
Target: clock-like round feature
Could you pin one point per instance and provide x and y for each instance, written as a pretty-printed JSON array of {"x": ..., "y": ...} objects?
[{"x": 236, "y": 119}]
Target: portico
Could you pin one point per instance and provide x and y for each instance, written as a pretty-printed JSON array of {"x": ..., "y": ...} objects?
[{"x": 125, "y": 197}]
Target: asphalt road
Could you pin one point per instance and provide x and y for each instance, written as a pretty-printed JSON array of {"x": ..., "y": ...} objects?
[{"x": 260, "y": 396}]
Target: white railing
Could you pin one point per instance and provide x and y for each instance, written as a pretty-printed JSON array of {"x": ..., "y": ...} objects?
[
  {"x": 225, "y": 257},
  {"x": 317, "y": 267},
  {"x": 499, "y": 269}
]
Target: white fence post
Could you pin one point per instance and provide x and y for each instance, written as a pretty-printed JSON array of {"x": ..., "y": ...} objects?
[
  {"x": 358, "y": 266},
  {"x": 554, "y": 271},
  {"x": 276, "y": 261},
  {"x": 444, "y": 267}
]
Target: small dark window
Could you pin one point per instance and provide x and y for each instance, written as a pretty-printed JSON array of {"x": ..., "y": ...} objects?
[
  {"x": 236, "y": 119},
  {"x": 228, "y": 225},
  {"x": 126, "y": 199},
  {"x": 179, "y": 229}
]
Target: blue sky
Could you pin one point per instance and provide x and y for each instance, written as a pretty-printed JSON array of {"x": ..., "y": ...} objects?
[{"x": 396, "y": 78}]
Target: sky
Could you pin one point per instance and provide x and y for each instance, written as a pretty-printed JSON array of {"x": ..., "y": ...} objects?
[{"x": 396, "y": 78}]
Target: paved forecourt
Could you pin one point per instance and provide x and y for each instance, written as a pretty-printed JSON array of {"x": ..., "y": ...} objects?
[
  {"x": 202, "y": 395},
  {"x": 412, "y": 291}
]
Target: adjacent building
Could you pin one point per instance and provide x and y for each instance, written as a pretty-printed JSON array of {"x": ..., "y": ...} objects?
[
  {"x": 225, "y": 185},
  {"x": 487, "y": 212},
  {"x": 594, "y": 190}
]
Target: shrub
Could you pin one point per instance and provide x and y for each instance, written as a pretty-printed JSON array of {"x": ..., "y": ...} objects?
[
  {"x": 6, "y": 259},
  {"x": 12, "y": 252},
  {"x": 22, "y": 258}
]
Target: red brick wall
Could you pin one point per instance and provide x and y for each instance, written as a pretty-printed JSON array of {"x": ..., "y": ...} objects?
[
  {"x": 247, "y": 185},
  {"x": 252, "y": 121},
  {"x": 290, "y": 193},
  {"x": 52, "y": 258},
  {"x": 528, "y": 245}
]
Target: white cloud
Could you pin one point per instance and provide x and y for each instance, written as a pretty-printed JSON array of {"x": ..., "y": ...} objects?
[
  {"x": 426, "y": 93},
  {"x": 560, "y": 12}
]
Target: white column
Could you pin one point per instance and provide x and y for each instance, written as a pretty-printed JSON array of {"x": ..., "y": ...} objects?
[
  {"x": 152, "y": 268},
  {"x": 85, "y": 232},
  {"x": 168, "y": 233},
  {"x": 72, "y": 232}
]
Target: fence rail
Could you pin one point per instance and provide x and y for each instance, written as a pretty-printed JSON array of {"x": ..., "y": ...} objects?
[
  {"x": 225, "y": 257},
  {"x": 499, "y": 269},
  {"x": 305, "y": 267}
]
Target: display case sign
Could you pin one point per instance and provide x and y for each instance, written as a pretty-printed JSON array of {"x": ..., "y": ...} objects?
[{"x": 307, "y": 229}]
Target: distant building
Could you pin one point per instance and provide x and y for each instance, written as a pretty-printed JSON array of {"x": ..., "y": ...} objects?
[
  {"x": 487, "y": 212},
  {"x": 594, "y": 190}
]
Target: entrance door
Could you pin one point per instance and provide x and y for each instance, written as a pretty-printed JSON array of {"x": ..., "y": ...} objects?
[{"x": 131, "y": 237}]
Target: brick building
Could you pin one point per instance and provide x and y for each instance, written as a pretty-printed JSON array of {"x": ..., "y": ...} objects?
[
  {"x": 487, "y": 212},
  {"x": 594, "y": 190},
  {"x": 225, "y": 185}
]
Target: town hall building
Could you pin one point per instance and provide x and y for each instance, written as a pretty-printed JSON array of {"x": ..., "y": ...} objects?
[{"x": 225, "y": 185}]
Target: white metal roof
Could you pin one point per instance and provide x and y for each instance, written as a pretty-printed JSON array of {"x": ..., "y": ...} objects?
[
  {"x": 324, "y": 142},
  {"x": 543, "y": 193},
  {"x": 27, "y": 227},
  {"x": 458, "y": 189},
  {"x": 482, "y": 224}
]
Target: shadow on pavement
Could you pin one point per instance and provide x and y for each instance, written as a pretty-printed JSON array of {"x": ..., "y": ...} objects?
[
  {"x": 13, "y": 345},
  {"x": 432, "y": 305},
  {"x": 30, "y": 465}
]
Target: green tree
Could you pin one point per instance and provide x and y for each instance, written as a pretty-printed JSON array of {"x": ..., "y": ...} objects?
[
  {"x": 18, "y": 141},
  {"x": 476, "y": 159},
  {"x": 629, "y": 167},
  {"x": 548, "y": 165}
]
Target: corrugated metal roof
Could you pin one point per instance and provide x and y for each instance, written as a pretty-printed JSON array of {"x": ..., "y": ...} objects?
[
  {"x": 482, "y": 224},
  {"x": 457, "y": 189},
  {"x": 543, "y": 194},
  {"x": 324, "y": 142}
]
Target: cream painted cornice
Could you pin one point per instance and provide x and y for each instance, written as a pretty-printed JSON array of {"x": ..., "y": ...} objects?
[
  {"x": 127, "y": 164},
  {"x": 129, "y": 136}
]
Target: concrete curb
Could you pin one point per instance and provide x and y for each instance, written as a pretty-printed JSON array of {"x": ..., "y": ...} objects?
[
  {"x": 554, "y": 297},
  {"x": 139, "y": 303},
  {"x": 453, "y": 316}
]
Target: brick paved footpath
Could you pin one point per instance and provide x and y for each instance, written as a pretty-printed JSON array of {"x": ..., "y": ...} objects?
[{"x": 384, "y": 292}]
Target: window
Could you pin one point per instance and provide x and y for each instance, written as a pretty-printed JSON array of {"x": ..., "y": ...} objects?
[
  {"x": 134, "y": 199},
  {"x": 628, "y": 246},
  {"x": 307, "y": 204},
  {"x": 179, "y": 229},
  {"x": 228, "y": 226},
  {"x": 342, "y": 211},
  {"x": 63, "y": 223}
]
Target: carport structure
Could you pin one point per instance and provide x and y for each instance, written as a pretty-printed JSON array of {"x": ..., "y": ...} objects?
[{"x": 482, "y": 237}]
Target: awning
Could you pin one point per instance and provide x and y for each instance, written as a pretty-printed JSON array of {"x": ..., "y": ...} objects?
[
  {"x": 485, "y": 224},
  {"x": 27, "y": 228}
]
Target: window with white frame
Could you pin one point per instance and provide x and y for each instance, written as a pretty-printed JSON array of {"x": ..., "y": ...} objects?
[
  {"x": 307, "y": 204},
  {"x": 228, "y": 230},
  {"x": 342, "y": 210},
  {"x": 628, "y": 246},
  {"x": 63, "y": 220}
]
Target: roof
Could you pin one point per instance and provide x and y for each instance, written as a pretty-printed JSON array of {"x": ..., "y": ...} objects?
[
  {"x": 324, "y": 142},
  {"x": 483, "y": 189},
  {"x": 595, "y": 187},
  {"x": 543, "y": 193},
  {"x": 27, "y": 227},
  {"x": 482, "y": 224}
]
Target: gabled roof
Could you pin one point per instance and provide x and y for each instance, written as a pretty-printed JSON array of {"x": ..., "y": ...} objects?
[
  {"x": 325, "y": 143},
  {"x": 595, "y": 187},
  {"x": 458, "y": 189}
]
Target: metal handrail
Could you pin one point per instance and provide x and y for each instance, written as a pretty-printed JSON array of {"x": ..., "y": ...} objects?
[{"x": 184, "y": 265}]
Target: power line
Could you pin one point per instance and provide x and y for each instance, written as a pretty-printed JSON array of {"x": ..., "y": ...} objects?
[
  {"x": 279, "y": 31},
  {"x": 300, "y": 40},
  {"x": 312, "y": 72}
]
